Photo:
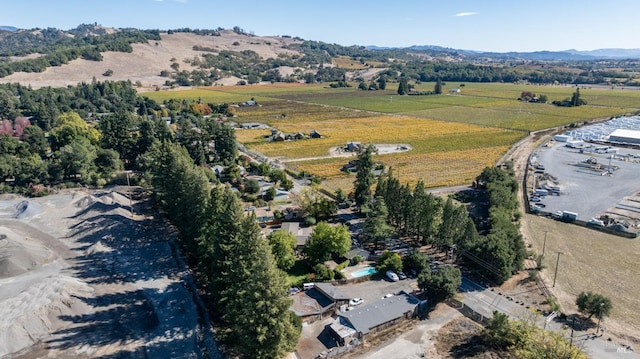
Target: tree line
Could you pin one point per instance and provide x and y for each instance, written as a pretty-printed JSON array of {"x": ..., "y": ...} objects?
[
  {"x": 84, "y": 134},
  {"x": 398, "y": 209},
  {"x": 248, "y": 292},
  {"x": 235, "y": 267}
]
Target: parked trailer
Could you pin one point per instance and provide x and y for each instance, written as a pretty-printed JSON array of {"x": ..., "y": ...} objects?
[{"x": 569, "y": 216}]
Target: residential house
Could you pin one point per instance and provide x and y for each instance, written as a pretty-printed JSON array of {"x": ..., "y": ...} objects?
[
  {"x": 368, "y": 319},
  {"x": 332, "y": 292},
  {"x": 278, "y": 137},
  {"x": 353, "y": 146},
  {"x": 311, "y": 305},
  {"x": 319, "y": 302},
  {"x": 301, "y": 234},
  {"x": 315, "y": 134}
]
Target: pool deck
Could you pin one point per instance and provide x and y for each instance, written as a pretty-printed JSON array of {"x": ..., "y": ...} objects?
[{"x": 349, "y": 270}]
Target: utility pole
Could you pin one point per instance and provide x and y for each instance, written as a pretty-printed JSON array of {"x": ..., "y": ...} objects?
[
  {"x": 556, "y": 273},
  {"x": 573, "y": 324},
  {"x": 599, "y": 317},
  {"x": 130, "y": 194}
]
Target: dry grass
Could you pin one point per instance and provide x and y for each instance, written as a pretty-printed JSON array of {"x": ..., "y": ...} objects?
[
  {"x": 590, "y": 261},
  {"x": 147, "y": 60},
  {"x": 347, "y": 62}
]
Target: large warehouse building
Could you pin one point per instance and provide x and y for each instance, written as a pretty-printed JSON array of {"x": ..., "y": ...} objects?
[{"x": 625, "y": 136}]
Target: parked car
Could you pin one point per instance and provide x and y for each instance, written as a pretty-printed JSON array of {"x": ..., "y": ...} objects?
[
  {"x": 392, "y": 276},
  {"x": 402, "y": 276},
  {"x": 387, "y": 296},
  {"x": 294, "y": 290},
  {"x": 356, "y": 301}
]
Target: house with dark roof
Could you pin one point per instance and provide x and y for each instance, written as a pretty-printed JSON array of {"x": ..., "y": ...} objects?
[
  {"x": 311, "y": 305},
  {"x": 353, "y": 146},
  {"x": 368, "y": 319},
  {"x": 319, "y": 302},
  {"x": 332, "y": 292}
]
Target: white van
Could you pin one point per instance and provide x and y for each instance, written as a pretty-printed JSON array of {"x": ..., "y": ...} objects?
[
  {"x": 307, "y": 286},
  {"x": 392, "y": 275}
]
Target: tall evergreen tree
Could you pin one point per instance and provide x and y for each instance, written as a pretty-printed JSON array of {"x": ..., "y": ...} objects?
[
  {"x": 364, "y": 177},
  {"x": 249, "y": 290},
  {"x": 437, "y": 89},
  {"x": 403, "y": 87}
]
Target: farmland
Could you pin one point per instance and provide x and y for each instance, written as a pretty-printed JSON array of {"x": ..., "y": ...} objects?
[{"x": 453, "y": 136}]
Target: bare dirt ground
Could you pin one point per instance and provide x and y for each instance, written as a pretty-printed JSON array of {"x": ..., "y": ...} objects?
[
  {"x": 589, "y": 260},
  {"x": 81, "y": 278},
  {"x": 147, "y": 60},
  {"x": 460, "y": 339}
]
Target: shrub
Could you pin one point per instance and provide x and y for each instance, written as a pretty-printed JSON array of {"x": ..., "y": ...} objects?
[{"x": 323, "y": 272}]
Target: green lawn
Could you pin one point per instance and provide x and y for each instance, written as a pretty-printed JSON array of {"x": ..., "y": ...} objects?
[{"x": 296, "y": 275}]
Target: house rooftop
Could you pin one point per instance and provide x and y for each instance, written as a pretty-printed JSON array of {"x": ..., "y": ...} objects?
[
  {"x": 309, "y": 302},
  {"x": 369, "y": 316},
  {"x": 332, "y": 292}
]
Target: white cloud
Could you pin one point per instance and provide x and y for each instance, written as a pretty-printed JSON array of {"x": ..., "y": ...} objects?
[{"x": 466, "y": 13}]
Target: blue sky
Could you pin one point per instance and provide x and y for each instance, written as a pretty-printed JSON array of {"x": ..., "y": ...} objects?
[{"x": 484, "y": 25}]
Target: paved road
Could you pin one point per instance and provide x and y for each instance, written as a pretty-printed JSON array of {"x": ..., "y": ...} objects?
[{"x": 485, "y": 301}]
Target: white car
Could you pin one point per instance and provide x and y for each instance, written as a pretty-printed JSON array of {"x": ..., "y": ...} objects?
[
  {"x": 387, "y": 296},
  {"x": 355, "y": 301}
]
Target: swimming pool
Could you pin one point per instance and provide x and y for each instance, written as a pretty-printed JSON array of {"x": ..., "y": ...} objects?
[{"x": 363, "y": 272}]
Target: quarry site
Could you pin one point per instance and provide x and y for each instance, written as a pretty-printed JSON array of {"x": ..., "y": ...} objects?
[{"x": 90, "y": 274}]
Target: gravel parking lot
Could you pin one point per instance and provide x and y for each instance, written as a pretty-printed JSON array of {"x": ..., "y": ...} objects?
[{"x": 582, "y": 190}]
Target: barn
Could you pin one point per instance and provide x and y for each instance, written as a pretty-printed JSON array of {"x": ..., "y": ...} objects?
[{"x": 622, "y": 135}]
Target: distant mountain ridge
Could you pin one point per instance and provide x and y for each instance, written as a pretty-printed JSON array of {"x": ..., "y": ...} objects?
[
  {"x": 8, "y": 28},
  {"x": 567, "y": 55}
]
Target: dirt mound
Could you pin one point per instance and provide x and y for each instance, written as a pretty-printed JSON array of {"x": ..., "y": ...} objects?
[
  {"x": 30, "y": 314},
  {"x": 27, "y": 209},
  {"x": 86, "y": 201},
  {"x": 19, "y": 255},
  {"x": 115, "y": 197}
]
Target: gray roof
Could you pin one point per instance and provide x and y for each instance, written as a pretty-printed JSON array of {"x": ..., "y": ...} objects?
[
  {"x": 341, "y": 328},
  {"x": 369, "y": 316},
  {"x": 309, "y": 302},
  {"x": 301, "y": 234},
  {"x": 331, "y": 291}
]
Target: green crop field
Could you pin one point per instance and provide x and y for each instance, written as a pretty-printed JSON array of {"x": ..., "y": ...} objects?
[{"x": 452, "y": 136}]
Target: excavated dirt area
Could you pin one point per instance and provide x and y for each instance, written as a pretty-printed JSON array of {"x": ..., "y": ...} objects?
[{"x": 81, "y": 278}]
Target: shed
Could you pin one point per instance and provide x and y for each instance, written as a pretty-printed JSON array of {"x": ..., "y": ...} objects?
[
  {"x": 315, "y": 134},
  {"x": 575, "y": 143}
]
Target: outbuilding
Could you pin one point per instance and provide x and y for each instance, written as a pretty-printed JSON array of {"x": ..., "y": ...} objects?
[{"x": 622, "y": 135}]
